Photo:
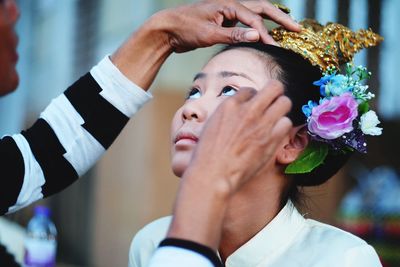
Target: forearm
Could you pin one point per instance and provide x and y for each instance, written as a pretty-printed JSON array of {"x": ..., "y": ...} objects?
[
  {"x": 68, "y": 138},
  {"x": 141, "y": 56},
  {"x": 195, "y": 231}
]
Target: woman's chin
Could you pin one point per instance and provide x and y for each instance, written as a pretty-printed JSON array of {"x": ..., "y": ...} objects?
[
  {"x": 178, "y": 170},
  {"x": 179, "y": 166}
]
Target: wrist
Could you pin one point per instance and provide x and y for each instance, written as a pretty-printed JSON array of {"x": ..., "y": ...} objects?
[
  {"x": 161, "y": 27},
  {"x": 156, "y": 32},
  {"x": 140, "y": 57},
  {"x": 209, "y": 199},
  {"x": 216, "y": 185}
]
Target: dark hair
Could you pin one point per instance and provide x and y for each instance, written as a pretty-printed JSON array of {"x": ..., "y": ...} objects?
[{"x": 297, "y": 76}]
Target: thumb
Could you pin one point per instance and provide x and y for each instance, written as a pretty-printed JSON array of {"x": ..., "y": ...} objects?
[{"x": 233, "y": 35}]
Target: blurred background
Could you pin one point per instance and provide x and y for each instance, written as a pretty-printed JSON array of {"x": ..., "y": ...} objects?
[{"x": 97, "y": 217}]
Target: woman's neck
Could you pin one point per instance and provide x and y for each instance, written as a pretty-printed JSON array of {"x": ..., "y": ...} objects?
[{"x": 249, "y": 211}]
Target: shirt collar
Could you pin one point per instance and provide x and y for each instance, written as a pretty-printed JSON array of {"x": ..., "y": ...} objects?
[{"x": 275, "y": 236}]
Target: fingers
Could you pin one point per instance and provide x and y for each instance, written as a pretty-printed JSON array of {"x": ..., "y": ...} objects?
[
  {"x": 267, "y": 96},
  {"x": 237, "y": 35},
  {"x": 275, "y": 120},
  {"x": 275, "y": 116},
  {"x": 237, "y": 11},
  {"x": 282, "y": 127},
  {"x": 268, "y": 10},
  {"x": 278, "y": 109},
  {"x": 244, "y": 94}
]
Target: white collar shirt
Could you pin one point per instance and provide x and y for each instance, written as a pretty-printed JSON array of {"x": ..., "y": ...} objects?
[{"x": 289, "y": 240}]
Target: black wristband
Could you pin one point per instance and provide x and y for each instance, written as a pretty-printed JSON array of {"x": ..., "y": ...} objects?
[{"x": 193, "y": 246}]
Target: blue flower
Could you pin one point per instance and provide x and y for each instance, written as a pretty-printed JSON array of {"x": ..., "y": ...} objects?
[
  {"x": 337, "y": 85},
  {"x": 322, "y": 100},
  {"x": 307, "y": 109},
  {"x": 323, "y": 82},
  {"x": 322, "y": 90}
]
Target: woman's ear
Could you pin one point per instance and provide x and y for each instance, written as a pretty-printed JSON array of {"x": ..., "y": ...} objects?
[{"x": 298, "y": 141}]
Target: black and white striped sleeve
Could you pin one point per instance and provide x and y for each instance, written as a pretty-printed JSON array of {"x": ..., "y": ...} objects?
[{"x": 68, "y": 138}]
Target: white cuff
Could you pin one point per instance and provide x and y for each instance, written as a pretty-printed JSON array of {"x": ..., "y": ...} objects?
[
  {"x": 31, "y": 190},
  {"x": 169, "y": 256},
  {"x": 122, "y": 93}
]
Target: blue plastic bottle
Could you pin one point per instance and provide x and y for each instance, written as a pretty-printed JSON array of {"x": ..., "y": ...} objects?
[{"x": 41, "y": 243}]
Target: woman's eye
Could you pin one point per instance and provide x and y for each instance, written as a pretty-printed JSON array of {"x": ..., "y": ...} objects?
[
  {"x": 194, "y": 93},
  {"x": 228, "y": 91}
]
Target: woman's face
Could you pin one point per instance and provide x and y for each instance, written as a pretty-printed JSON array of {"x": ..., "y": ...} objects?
[{"x": 219, "y": 79}]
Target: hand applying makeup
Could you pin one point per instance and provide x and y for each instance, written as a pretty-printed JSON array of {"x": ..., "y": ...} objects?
[
  {"x": 188, "y": 27},
  {"x": 212, "y": 179}
]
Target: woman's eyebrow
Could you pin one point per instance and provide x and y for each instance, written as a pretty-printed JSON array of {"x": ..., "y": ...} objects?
[
  {"x": 224, "y": 74},
  {"x": 199, "y": 76}
]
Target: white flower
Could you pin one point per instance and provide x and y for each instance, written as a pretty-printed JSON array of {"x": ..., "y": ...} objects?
[{"x": 368, "y": 123}]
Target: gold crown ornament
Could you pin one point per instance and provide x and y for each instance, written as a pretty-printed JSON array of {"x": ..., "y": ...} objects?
[
  {"x": 325, "y": 46},
  {"x": 343, "y": 96}
]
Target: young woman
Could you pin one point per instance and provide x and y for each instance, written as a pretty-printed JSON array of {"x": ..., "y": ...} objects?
[{"x": 262, "y": 227}]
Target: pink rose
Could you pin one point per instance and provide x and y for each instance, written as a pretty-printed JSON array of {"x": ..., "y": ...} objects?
[{"x": 334, "y": 117}]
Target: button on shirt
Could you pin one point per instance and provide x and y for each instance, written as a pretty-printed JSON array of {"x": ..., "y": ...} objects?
[{"x": 289, "y": 240}]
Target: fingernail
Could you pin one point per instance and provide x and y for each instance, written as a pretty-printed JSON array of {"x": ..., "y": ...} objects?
[
  {"x": 252, "y": 35},
  {"x": 297, "y": 24},
  {"x": 271, "y": 41},
  {"x": 275, "y": 43}
]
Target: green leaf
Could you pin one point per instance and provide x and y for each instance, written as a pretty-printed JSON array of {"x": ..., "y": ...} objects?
[
  {"x": 313, "y": 156},
  {"x": 363, "y": 107},
  {"x": 349, "y": 69}
]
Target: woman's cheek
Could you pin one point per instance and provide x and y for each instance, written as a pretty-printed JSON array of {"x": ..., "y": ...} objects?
[
  {"x": 216, "y": 104},
  {"x": 176, "y": 122}
]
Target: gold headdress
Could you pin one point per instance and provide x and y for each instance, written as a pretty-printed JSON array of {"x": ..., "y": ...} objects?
[
  {"x": 325, "y": 46},
  {"x": 328, "y": 47}
]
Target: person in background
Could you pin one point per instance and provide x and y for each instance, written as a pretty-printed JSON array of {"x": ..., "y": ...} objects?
[{"x": 79, "y": 125}]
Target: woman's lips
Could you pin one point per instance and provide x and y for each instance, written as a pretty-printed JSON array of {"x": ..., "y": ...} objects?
[{"x": 186, "y": 139}]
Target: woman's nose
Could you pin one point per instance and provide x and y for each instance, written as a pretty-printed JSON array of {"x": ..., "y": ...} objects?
[{"x": 193, "y": 110}]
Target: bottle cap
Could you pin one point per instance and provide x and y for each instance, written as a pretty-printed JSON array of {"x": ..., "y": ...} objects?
[{"x": 42, "y": 210}]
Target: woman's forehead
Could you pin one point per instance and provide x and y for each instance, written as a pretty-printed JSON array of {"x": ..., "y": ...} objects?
[{"x": 236, "y": 62}]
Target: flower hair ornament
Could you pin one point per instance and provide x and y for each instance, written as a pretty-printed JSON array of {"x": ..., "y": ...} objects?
[{"x": 339, "y": 122}]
